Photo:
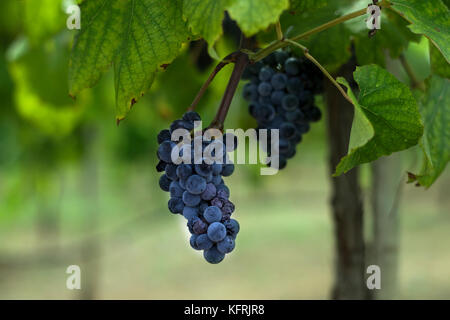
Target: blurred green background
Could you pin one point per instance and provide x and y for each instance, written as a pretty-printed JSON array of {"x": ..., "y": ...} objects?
[{"x": 75, "y": 188}]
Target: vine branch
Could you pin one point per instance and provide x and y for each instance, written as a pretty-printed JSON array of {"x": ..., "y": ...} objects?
[
  {"x": 228, "y": 59},
  {"x": 239, "y": 67}
]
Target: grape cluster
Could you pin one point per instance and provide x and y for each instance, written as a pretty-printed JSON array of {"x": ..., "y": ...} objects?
[
  {"x": 197, "y": 190},
  {"x": 281, "y": 95}
]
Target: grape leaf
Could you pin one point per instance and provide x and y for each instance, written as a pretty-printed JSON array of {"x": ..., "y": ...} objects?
[
  {"x": 299, "y": 6},
  {"x": 205, "y": 17},
  {"x": 435, "y": 110},
  {"x": 256, "y": 15},
  {"x": 430, "y": 18},
  {"x": 138, "y": 37},
  {"x": 391, "y": 109}
]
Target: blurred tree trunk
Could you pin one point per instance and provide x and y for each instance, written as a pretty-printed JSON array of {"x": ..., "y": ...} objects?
[
  {"x": 346, "y": 200},
  {"x": 387, "y": 185},
  {"x": 90, "y": 250}
]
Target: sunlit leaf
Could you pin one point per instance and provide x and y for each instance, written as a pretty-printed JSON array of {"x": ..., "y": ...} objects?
[{"x": 138, "y": 37}]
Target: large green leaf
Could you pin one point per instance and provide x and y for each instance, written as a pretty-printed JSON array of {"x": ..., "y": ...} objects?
[
  {"x": 435, "y": 109},
  {"x": 430, "y": 18},
  {"x": 205, "y": 17},
  {"x": 138, "y": 36},
  {"x": 256, "y": 15},
  {"x": 392, "y": 111}
]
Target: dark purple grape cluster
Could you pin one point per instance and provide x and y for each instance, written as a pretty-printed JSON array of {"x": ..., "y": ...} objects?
[
  {"x": 281, "y": 95},
  {"x": 196, "y": 187}
]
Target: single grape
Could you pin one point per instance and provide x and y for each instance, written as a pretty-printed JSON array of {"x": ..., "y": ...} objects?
[
  {"x": 232, "y": 227},
  {"x": 181, "y": 124},
  {"x": 294, "y": 85},
  {"x": 290, "y": 102},
  {"x": 264, "y": 89},
  {"x": 164, "y": 183},
  {"x": 175, "y": 190},
  {"x": 277, "y": 97},
  {"x": 196, "y": 184},
  {"x": 171, "y": 171},
  {"x": 291, "y": 65},
  {"x": 287, "y": 130},
  {"x": 218, "y": 202},
  {"x": 226, "y": 245},
  {"x": 223, "y": 191},
  {"x": 163, "y": 135},
  {"x": 265, "y": 74},
  {"x": 190, "y": 212},
  {"x": 193, "y": 242},
  {"x": 250, "y": 92},
  {"x": 212, "y": 214},
  {"x": 203, "y": 169},
  {"x": 165, "y": 151},
  {"x": 281, "y": 56},
  {"x": 161, "y": 166},
  {"x": 190, "y": 199},
  {"x": 203, "y": 242},
  {"x": 184, "y": 171},
  {"x": 213, "y": 255},
  {"x": 191, "y": 116},
  {"x": 279, "y": 81},
  {"x": 227, "y": 170},
  {"x": 199, "y": 227},
  {"x": 209, "y": 193},
  {"x": 216, "y": 231},
  {"x": 176, "y": 205}
]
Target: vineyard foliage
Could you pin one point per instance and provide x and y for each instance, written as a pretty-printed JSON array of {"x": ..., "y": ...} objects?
[{"x": 140, "y": 39}]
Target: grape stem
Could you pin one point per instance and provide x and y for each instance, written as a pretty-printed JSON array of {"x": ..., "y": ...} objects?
[
  {"x": 228, "y": 59},
  {"x": 241, "y": 63},
  {"x": 324, "y": 71},
  {"x": 279, "y": 31}
]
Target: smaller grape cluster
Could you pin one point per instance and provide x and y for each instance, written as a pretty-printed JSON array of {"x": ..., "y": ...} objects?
[
  {"x": 197, "y": 190},
  {"x": 281, "y": 95}
]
